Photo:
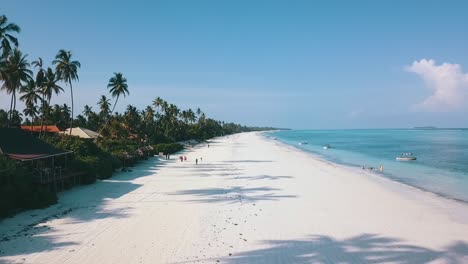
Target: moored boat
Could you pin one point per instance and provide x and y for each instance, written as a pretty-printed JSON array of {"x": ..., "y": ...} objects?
[{"x": 406, "y": 157}]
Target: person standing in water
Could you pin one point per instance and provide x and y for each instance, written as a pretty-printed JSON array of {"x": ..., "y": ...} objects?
[{"x": 196, "y": 161}]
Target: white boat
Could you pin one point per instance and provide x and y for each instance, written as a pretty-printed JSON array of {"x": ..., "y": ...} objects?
[
  {"x": 327, "y": 146},
  {"x": 406, "y": 157},
  {"x": 303, "y": 143}
]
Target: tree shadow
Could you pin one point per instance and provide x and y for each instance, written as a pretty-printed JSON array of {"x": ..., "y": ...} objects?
[
  {"x": 232, "y": 195},
  {"x": 365, "y": 248},
  {"x": 32, "y": 231},
  {"x": 247, "y": 161},
  {"x": 262, "y": 177}
]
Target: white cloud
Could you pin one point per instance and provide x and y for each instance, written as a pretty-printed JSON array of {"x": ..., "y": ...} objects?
[{"x": 447, "y": 82}]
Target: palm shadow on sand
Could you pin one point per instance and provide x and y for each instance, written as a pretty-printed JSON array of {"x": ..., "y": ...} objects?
[
  {"x": 233, "y": 194},
  {"x": 365, "y": 248},
  {"x": 35, "y": 234},
  {"x": 262, "y": 177}
]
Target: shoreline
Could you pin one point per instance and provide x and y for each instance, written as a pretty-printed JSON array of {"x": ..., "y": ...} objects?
[
  {"x": 251, "y": 200},
  {"x": 355, "y": 168}
]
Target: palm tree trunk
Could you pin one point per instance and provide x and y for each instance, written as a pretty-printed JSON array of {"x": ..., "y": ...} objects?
[
  {"x": 11, "y": 110},
  {"x": 71, "y": 120},
  {"x": 43, "y": 117},
  {"x": 32, "y": 123},
  {"x": 107, "y": 121},
  {"x": 14, "y": 104}
]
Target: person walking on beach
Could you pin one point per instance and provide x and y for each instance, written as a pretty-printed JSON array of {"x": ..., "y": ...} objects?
[
  {"x": 196, "y": 161},
  {"x": 201, "y": 159},
  {"x": 185, "y": 158}
]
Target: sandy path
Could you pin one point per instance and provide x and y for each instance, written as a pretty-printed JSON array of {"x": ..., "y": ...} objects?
[{"x": 250, "y": 201}]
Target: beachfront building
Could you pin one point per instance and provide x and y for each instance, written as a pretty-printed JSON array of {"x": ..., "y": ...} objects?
[
  {"x": 81, "y": 132},
  {"x": 47, "y": 164},
  {"x": 37, "y": 129}
]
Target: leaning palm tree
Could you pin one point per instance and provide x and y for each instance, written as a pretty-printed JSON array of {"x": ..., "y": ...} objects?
[
  {"x": 117, "y": 86},
  {"x": 67, "y": 70},
  {"x": 6, "y": 38},
  {"x": 15, "y": 72}
]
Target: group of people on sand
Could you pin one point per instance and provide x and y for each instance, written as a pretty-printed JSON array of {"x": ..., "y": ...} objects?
[{"x": 184, "y": 158}]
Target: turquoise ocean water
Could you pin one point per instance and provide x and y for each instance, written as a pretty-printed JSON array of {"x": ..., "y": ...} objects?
[{"x": 442, "y": 154}]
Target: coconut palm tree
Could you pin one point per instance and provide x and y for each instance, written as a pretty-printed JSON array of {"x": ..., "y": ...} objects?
[
  {"x": 16, "y": 118},
  {"x": 41, "y": 72},
  {"x": 157, "y": 103},
  {"x": 148, "y": 115},
  {"x": 31, "y": 110},
  {"x": 40, "y": 76},
  {"x": 104, "y": 106},
  {"x": 30, "y": 97},
  {"x": 191, "y": 116},
  {"x": 67, "y": 70},
  {"x": 30, "y": 93},
  {"x": 15, "y": 72},
  {"x": 6, "y": 38},
  {"x": 88, "y": 110},
  {"x": 117, "y": 86},
  {"x": 49, "y": 86}
]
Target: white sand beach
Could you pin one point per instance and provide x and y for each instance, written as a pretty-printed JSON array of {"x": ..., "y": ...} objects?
[{"x": 250, "y": 200}]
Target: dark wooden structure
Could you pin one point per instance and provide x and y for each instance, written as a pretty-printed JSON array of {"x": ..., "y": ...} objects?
[{"x": 48, "y": 164}]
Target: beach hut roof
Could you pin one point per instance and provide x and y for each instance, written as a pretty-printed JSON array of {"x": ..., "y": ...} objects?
[
  {"x": 46, "y": 128},
  {"x": 21, "y": 145},
  {"x": 81, "y": 132}
]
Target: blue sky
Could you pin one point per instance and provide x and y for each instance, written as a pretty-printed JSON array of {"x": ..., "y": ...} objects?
[{"x": 297, "y": 64}]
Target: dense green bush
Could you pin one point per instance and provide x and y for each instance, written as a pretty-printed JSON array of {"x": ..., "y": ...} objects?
[
  {"x": 18, "y": 190},
  {"x": 116, "y": 163},
  {"x": 104, "y": 168},
  {"x": 168, "y": 148},
  {"x": 87, "y": 157}
]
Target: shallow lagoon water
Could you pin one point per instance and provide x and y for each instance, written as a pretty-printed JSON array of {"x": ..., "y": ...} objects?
[{"x": 442, "y": 154}]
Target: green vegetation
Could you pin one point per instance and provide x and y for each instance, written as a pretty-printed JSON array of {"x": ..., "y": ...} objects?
[
  {"x": 87, "y": 157},
  {"x": 168, "y": 148},
  {"x": 124, "y": 137},
  {"x": 18, "y": 190}
]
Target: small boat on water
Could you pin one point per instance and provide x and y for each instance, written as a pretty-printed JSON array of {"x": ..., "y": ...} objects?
[
  {"x": 303, "y": 143},
  {"x": 327, "y": 146},
  {"x": 406, "y": 157}
]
